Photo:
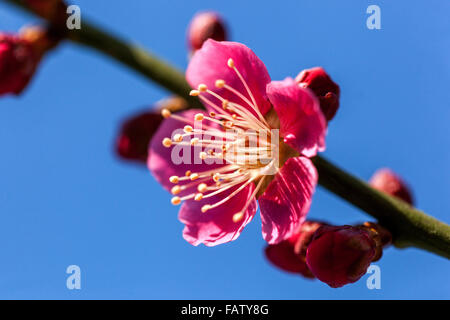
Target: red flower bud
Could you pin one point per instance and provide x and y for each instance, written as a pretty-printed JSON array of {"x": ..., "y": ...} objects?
[
  {"x": 19, "y": 57},
  {"x": 290, "y": 255},
  {"x": 340, "y": 255},
  {"x": 137, "y": 131},
  {"x": 135, "y": 135},
  {"x": 204, "y": 26},
  {"x": 325, "y": 89},
  {"x": 18, "y": 62},
  {"x": 387, "y": 181}
]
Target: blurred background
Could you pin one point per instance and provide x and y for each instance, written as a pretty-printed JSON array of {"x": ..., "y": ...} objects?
[{"x": 66, "y": 198}]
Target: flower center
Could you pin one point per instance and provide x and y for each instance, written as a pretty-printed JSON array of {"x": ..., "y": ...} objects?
[{"x": 234, "y": 135}]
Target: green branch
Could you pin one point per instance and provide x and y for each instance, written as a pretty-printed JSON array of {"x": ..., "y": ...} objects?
[{"x": 409, "y": 226}]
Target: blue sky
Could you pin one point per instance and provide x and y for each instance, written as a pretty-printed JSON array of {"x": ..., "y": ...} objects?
[{"x": 66, "y": 199}]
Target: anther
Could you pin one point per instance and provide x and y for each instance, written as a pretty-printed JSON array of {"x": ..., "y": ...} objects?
[
  {"x": 198, "y": 197},
  {"x": 174, "y": 179},
  {"x": 202, "y": 87},
  {"x": 176, "y": 201},
  {"x": 178, "y": 137},
  {"x": 220, "y": 83},
  {"x": 238, "y": 217},
  {"x": 225, "y": 104},
  {"x": 194, "y": 176},
  {"x": 199, "y": 117},
  {"x": 202, "y": 187},
  {"x": 188, "y": 129},
  {"x": 167, "y": 142},
  {"x": 216, "y": 177},
  {"x": 205, "y": 208},
  {"x": 203, "y": 155},
  {"x": 230, "y": 63},
  {"x": 188, "y": 173},
  {"x": 175, "y": 190},
  {"x": 166, "y": 113},
  {"x": 194, "y": 141},
  {"x": 194, "y": 93}
]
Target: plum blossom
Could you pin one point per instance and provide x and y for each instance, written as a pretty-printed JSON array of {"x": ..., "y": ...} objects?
[{"x": 252, "y": 143}]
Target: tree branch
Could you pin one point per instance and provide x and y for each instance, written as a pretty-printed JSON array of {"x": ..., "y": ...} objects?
[{"x": 409, "y": 226}]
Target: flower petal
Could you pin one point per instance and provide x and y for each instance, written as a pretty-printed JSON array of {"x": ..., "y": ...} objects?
[
  {"x": 216, "y": 226},
  {"x": 166, "y": 162},
  {"x": 210, "y": 64},
  {"x": 287, "y": 199},
  {"x": 302, "y": 123}
]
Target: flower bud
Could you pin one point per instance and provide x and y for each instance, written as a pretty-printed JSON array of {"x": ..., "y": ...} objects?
[
  {"x": 137, "y": 131},
  {"x": 380, "y": 235},
  {"x": 340, "y": 255},
  {"x": 290, "y": 255},
  {"x": 135, "y": 135},
  {"x": 204, "y": 26},
  {"x": 18, "y": 62},
  {"x": 328, "y": 92},
  {"x": 20, "y": 55},
  {"x": 387, "y": 181}
]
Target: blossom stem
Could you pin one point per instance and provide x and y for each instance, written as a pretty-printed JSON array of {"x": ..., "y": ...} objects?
[
  {"x": 409, "y": 226},
  {"x": 131, "y": 55}
]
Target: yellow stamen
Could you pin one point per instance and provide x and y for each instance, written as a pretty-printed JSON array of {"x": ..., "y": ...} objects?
[
  {"x": 166, "y": 113},
  {"x": 202, "y": 87},
  {"x": 167, "y": 142},
  {"x": 202, "y": 187},
  {"x": 220, "y": 83},
  {"x": 175, "y": 190},
  {"x": 205, "y": 208},
  {"x": 176, "y": 201},
  {"x": 238, "y": 217},
  {"x": 198, "y": 197},
  {"x": 199, "y": 117}
]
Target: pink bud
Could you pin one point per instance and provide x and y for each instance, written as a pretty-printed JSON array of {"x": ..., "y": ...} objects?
[
  {"x": 325, "y": 89},
  {"x": 204, "y": 26},
  {"x": 387, "y": 181},
  {"x": 340, "y": 255},
  {"x": 290, "y": 255}
]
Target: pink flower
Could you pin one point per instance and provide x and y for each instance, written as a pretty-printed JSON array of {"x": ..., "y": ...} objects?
[{"x": 219, "y": 186}]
